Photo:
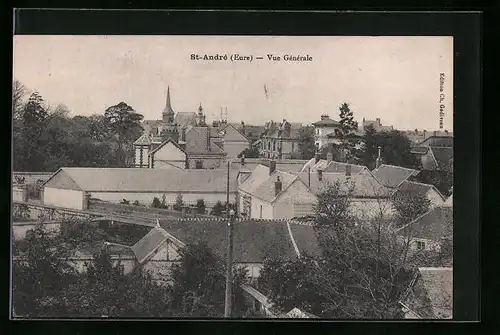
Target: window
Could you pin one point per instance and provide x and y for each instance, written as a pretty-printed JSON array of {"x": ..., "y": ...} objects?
[
  {"x": 199, "y": 165},
  {"x": 420, "y": 245},
  {"x": 261, "y": 211},
  {"x": 274, "y": 146},
  {"x": 292, "y": 146}
]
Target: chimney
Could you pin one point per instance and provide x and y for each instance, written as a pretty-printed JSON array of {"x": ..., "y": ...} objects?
[
  {"x": 329, "y": 157},
  {"x": 348, "y": 170},
  {"x": 242, "y": 160},
  {"x": 277, "y": 186},
  {"x": 320, "y": 174},
  {"x": 434, "y": 133},
  {"x": 272, "y": 166},
  {"x": 378, "y": 162},
  {"x": 207, "y": 132},
  {"x": 316, "y": 157}
]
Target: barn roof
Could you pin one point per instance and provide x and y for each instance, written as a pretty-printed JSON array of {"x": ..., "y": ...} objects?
[
  {"x": 143, "y": 180},
  {"x": 253, "y": 240},
  {"x": 393, "y": 176}
]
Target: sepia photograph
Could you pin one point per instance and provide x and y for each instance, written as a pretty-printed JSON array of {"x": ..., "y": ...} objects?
[{"x": 245, "y": 177}]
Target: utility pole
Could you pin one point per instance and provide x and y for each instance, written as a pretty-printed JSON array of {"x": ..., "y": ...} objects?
[{"x": 229, "y": 269}]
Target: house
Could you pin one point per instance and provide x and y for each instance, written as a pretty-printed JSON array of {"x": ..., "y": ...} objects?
[
  {"x": 377, "y": 125},
  {"x": 231, "y": 140},
  {"x": 429, "y": 231},
  {"x": 436, "y": 153},
  {"x": 326, "y": 131},
  {"x": 418, "y": 136},
  {"x": 269, "y": 193},
  {"x": 429, "y": 191},
  {"x": 202, "y": 150},
  {"x": 429, "y": 295},
  {"x": 281, "y": 141},
  {"x": 72, "y": 187},
  {"x": 253, "y": 241},
  {"x": 393, "y": 176}
]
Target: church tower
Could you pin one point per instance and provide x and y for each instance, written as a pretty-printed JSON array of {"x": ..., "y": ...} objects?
[
  {"x": 168, "y": 112},
  {"x": 200, "y": 117}
]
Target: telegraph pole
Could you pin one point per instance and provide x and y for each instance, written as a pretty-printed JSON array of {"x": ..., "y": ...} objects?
[{"x": 229, "y": 269}]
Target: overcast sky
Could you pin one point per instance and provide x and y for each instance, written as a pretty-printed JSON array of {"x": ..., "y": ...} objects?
[{"x": 393, "y": 78}]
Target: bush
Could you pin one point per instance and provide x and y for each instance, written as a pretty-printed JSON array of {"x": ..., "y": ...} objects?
[
  {"x": 218, "y": 209},
  {"x": 179, "y": 203},
  {"x": 200, "y": 206},
  {"x": 125, "y": 202},
  {"x": 136, "y": 203},
  {"x": 156, "y": 203}
]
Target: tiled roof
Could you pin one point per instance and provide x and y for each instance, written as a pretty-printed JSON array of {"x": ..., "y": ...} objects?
[
  {"x": 416, "y": 188},
  {"x": 339, "y": 167},
  {"x": 144, "y": 139},
  {"x": 299, "y": 314},
  {"x": 364, "y": 185},
  {"x": 326, "y": 122},
  {"x": 196, "y": 141},
  {"x": 259, "y": 174},
  {"x": 266, "y": 189},
  {"x": 392, "y": 176},
  {"x": 185, "y": 118},
  {"x": 449, "y": 201},
  {"x": 438, "y": 141},
  {"x": 148, "y": 180},
  {"x": 430, "y": 295},
  {"x": 444, "y": 157},
  {"x": 144, "y": 248},
  {"x": 433, "y": 225},
  {"x": 253, "y": 240}
]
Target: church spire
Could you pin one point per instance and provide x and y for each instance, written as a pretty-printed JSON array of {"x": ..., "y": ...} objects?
[{"x": 168, "y": 112}]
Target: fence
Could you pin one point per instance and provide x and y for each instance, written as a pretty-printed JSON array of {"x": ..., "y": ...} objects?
[{"x": 108, "y": 207}]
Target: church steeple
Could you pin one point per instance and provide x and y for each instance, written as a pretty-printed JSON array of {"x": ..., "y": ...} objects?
[{"x": 168, "y": 112}]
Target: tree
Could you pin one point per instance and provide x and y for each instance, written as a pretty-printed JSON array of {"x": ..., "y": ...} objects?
[
  {"x": 40, "y": 274},
  {"x": 347, "y": 123},
  {"x": 198, "y": 288},
  {"x": 307, "y": 147},
  {"x": 18, "y": 94},
  {"x": 395, "y": 149},
  {"x": 200, "y": 206},
  {"x": 363, "y": 271},
  {"x": 124, "y": 124},
  {"x": 179, "y": 203},
  {"x": 409, "y": 206},
  {"x": 218, "y": 209},
  {"x": 252, "y": 152}
]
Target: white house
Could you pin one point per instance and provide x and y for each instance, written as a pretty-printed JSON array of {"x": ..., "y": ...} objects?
[
  {"x": 269, "y": 193},
  {"x": 71, "y": 187},
  {"x": 326, "y": 131}
]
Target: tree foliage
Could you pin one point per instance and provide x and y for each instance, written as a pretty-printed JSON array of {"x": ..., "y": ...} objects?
[
  {"x": 252, "y": 152},
  {"x": 347, "y": 123},
  {"x": 362, "y": 273},
  {"x": 395, "y": 149},
  {"x": 307, "y": 148},
  {"x": 46, "y": 138},
  {"x": 408, "y": 206}
]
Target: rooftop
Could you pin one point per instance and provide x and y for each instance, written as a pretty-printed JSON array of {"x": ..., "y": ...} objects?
[
  {"x": 145, "y": 180},
  {"x": 433, "y": 225},
  {"x": 393, "y": 176}
]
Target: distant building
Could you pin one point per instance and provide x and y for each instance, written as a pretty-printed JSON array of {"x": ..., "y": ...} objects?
[
  {"x": 377, "y": 125},
  {"x": 281, "y": 141},
  {"x": 253, "y": 241},
  {"x": 230, "y": 139},
  {"x": 269, "y": 193},
  {"x": 393, "y": 176},
  {"x": 435, "y": 153},
  {"x": 326, "y": 131},
  {"x": 72, "y": 187},
  {"x": 418, "y": 136}
]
